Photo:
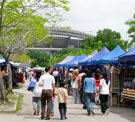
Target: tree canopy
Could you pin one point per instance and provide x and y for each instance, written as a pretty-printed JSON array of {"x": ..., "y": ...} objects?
[
  {"x": 22, "y": 22},
  {"x": 40, "y": 58},
  {"x": 131, "y": 30}
]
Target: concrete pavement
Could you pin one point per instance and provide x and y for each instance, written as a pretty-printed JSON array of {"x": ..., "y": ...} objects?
[{"x": 75, "y": 112}]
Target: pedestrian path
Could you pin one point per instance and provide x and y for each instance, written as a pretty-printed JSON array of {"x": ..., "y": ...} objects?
[{"x": 75, "y": 113}]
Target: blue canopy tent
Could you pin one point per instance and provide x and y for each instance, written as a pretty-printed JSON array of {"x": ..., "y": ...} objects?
[
  {"x": 82, "y": 62},
  {"x": 115, "y": 53},
  {"x": 113, "y": 61},
  {"x": 2, "y": 61},
  {"x": 15, "y": 65},
  {"x": 67, "y": 59},
  {"x": 83, "y": 56},
  {"x": 129, "y": 56},
  {"x": 70, "y": 63},
  {"x": 101, "y": 54}
]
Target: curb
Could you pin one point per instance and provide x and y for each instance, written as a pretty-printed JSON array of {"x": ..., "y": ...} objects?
[{"x": 11, "y": 109}]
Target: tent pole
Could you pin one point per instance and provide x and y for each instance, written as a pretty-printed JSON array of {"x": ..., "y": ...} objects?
[
  {"x": 111, "y": 91},
  {"x": 118, "y": 90}
]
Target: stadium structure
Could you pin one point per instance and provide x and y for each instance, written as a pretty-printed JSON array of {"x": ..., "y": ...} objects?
[{"x": 62, "y": 38}]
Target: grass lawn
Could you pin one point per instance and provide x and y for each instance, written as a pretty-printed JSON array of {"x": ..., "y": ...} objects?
[{"x": 12, "y": 98}]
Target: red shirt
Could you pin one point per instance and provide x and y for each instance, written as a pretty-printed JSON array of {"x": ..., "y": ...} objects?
[{"x": 97, "y": 80}]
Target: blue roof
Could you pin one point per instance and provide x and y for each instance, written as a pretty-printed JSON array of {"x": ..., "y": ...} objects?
[
  {"x": 70, "y": 63},
  {"x": 2, "y": 61},
  {"x": 83, "y": 62},
  {"x": 115, "y": 53},
  {"x": 1, "y": 57},
  {"x": 129, "y": 56},
  {"x": 101, "y": 54},
  {"x": 80, "y": 58},
  {"x": 75, "y": 60},
  {"x": 113, "y": 61},
  {"x": 67, "y": 59}
]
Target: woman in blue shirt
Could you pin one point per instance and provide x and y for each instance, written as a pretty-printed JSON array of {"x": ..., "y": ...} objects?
[{"x": 89, "y": 92}]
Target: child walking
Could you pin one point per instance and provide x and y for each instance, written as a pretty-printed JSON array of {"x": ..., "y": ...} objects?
[
  {"x": 36, "y": 99},
  {"x": 52, "y": 109},
  {"x": 62, "y": 100}
]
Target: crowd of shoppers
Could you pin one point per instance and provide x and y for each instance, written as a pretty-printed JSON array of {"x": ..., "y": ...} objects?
[{"x": 87, "y": 87}]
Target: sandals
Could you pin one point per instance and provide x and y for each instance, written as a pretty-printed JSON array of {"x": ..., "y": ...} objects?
[{"x": 93, "y": 113}]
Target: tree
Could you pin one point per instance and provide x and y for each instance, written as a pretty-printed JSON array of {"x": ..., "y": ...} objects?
[
  {"x": 2, "y": 88},
  {"x": 60, "y": 55},
  {"x": 40, "y": 58},
  {"x": 108, "y": 38},
  {"x": 125, "y": 44},
  {"x": 89, "y": 44},
  {"x": 22, "y": 24},
  {"x": 21, "y": 57},
  {"x": 131, "y": 30}
]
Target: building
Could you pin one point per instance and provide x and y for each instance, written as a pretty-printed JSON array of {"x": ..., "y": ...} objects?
[{"x": 62, "y": 38}]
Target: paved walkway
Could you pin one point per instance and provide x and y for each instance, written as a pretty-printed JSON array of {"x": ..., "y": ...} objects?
[{"x": 75, "y": 112}]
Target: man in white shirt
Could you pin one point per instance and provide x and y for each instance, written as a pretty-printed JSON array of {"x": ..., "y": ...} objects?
[{"x": 47, "y": 82}]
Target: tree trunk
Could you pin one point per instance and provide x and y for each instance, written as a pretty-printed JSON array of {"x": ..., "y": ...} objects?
[
  {"x": 10, "y": 90},
  {"x": 2, "y": 88},
  {"x": 1, "y": 13}
]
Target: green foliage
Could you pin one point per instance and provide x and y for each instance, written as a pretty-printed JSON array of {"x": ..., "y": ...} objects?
[
  {"x": 21, "y": 57},
  {"x": 131, "y": 30},
  {"x": 108, "y": 38},
  {"x": 18, "y": 106},
  {"x": 22, "y": 22},
  {"x": 19, "y": 103},
  {"x": 40, "y": 58},
  {"x": 60, "y": 55}
]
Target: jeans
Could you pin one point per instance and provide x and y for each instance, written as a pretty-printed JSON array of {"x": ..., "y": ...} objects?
[
  {"x": 104, "y": 104},
  {"x": 62, "y": 110},
  {"x": 89, "y": 101},
  {"x": 76, "y": 94},
  {"x": 36, "y": 103},
  {"x": 82, "y": 99},
  {"x": 52, "y": 109},
  {"x": 97, "y": 98},
  {"x": 46, "y": 98},
  {"x": 6, "y": 81}
]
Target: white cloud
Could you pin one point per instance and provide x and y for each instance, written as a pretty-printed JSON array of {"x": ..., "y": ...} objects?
[{"x": 92, "y": 15}]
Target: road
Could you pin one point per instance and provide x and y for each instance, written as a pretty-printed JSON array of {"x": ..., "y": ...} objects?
[{"x": 75, "y": 112}]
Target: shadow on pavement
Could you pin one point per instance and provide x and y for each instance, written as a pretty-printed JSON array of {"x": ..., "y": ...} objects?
[{"x": 127, "y": 113}]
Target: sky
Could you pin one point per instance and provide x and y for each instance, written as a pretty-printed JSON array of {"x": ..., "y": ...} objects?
[{"x": 91, "y": 15}]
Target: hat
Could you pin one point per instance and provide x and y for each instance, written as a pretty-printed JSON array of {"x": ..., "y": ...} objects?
[{"x": 70, "y": 69}]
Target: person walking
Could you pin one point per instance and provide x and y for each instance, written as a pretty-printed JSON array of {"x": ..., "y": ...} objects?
[
  {"x": 52, "y": 108},
  {"x": 47, "y": 82},
  {"x": 62, "y": 100},
  {"x": 104, "y": 91},
  {"x": 70, "y": 75},
  {"x": 97, "y": 77},
  {"x": 89, "y": 92},
  {"x": 75, "y": 87},
  {"x": 36, "y": 99},
  {"x": 81, "y": 78},
  {"x": 5, "y": 78}
]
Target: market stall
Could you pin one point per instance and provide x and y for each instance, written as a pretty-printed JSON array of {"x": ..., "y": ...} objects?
[{"x": 128, "y": 77}]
